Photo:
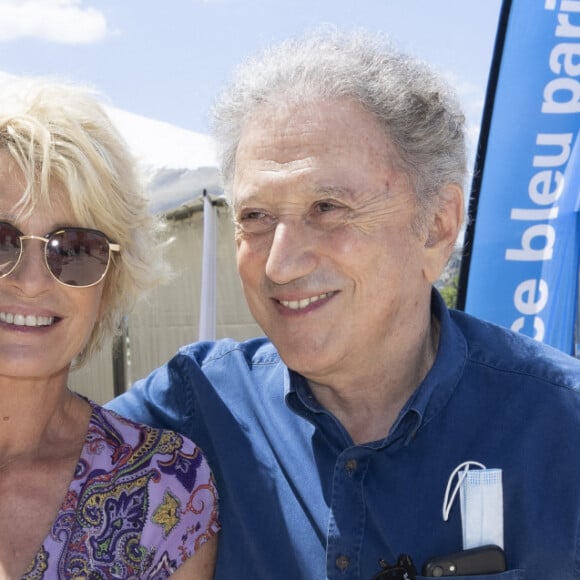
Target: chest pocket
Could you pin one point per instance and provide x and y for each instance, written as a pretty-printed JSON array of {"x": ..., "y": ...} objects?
[{"x": 509, "y": 575}]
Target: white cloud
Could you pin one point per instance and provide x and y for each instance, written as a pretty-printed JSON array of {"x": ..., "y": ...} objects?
[{"x": 62, "y": 21}]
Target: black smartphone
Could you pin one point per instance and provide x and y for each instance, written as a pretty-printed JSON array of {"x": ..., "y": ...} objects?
[{"x": 482, "y": 560}]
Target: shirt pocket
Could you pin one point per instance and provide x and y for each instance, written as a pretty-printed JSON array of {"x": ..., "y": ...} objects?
[{"x": 508, "y": 575}]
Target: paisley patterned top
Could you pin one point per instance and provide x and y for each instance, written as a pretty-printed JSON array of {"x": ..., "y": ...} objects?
[{"x": 141, "y": 502}]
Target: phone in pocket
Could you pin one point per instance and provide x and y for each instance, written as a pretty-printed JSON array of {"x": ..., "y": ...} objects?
[{"x": 482, "y": 560}]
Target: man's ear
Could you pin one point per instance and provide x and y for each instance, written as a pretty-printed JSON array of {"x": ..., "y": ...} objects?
[{"x": 443, "y": 230}]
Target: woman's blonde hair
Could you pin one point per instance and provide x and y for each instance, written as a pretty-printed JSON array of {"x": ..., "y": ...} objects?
[{"x": 59, "y": 133}]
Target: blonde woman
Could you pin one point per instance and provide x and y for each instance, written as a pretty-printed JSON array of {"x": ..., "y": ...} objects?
[{"x": 83, "y": 493}]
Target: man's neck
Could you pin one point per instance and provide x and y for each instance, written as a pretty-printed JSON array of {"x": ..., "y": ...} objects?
[{"x": 368, "y": 401}]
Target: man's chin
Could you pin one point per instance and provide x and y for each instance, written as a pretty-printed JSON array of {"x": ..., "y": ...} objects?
[{"x": 302, "y": 356}]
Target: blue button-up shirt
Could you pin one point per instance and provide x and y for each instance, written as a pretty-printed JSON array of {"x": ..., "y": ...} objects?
[{"x": 299, "y": 500}]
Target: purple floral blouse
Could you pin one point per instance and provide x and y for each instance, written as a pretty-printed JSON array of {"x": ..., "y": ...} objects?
[{"x": 141, "y": 502}]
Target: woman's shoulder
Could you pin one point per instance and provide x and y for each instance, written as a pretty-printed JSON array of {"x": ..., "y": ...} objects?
[
  {"x": 131, "y": 464},
  {"x": 135, "y": 446}
]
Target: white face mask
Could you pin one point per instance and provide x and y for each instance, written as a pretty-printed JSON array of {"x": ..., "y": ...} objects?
[{"x": 481, "y": 500}]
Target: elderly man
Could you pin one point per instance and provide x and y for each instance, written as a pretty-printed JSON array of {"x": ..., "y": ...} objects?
[{"x": 334, "y": 439}]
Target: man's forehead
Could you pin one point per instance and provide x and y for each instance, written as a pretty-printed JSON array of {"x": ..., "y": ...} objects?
[
  {"x": 337, "y": 126},
  {"x": 285, "y": 118}
]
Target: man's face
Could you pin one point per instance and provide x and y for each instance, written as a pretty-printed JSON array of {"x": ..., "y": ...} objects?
[{"x": 331, "y": 267}]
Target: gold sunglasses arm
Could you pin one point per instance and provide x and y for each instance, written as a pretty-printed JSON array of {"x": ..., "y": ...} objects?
[{"x": 112, "y": 247}]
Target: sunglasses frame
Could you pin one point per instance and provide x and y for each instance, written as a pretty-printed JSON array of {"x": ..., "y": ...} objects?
[{"x": 46, "y": 239}]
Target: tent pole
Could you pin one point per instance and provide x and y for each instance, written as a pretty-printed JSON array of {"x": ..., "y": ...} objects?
[{"x": 207, "y": 307}]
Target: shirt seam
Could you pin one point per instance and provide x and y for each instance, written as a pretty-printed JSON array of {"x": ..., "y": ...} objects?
[
  {"x": 522, "y": 373},
  {"x": 271, "y": 360}
]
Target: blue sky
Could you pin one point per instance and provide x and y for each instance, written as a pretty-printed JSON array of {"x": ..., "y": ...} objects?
[{"x": 168, "y": 59}]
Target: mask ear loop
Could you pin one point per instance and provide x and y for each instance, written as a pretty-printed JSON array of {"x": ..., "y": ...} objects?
[{"x": 448, "y": 501}]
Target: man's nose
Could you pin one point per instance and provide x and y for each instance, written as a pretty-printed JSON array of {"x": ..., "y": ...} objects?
[{"x": 292, "y": 253}]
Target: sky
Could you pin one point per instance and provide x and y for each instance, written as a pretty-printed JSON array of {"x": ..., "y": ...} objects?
[{"x": 167, "y": 60}]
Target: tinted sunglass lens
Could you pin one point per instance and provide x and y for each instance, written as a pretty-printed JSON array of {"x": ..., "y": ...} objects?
[
  {"x": 77, "y": 257},
  {"x": 9, "y": 248}
]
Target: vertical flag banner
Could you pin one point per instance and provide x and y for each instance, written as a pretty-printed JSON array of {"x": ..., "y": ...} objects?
[{"x": 521, "y": 252}]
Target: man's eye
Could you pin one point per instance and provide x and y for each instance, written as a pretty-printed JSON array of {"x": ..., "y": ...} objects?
[
  {"x": 255, "y": 221},
  {"x": 326, "y": 206},
  {"x": 253, "y": 215}
]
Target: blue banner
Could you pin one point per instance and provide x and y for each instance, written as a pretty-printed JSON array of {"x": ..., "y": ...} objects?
[{"x": 521, "y": 255}]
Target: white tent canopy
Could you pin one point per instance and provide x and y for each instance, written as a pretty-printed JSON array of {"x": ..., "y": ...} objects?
[
  {"x": 205, "y": 301},
  {"x": 179, "y": 168},
  {"x": 178, "y": 165}
]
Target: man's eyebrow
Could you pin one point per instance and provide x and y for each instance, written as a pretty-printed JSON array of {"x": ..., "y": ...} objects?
[
  {"x": 315, "y": 192},
  {"x": 236, "y": 204},
  {"x": 338, "y": 190}
]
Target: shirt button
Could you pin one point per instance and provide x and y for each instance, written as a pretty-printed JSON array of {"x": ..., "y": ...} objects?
[
  {"x": 342, "y": 562},
  {"x": 350, "y": 466}
]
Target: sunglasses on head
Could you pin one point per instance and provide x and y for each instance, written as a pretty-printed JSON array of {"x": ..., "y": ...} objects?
[{"x": 76, "y": 257}]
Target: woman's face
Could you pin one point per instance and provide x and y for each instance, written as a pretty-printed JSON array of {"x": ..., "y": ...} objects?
[{"x": 43, "y": 324}]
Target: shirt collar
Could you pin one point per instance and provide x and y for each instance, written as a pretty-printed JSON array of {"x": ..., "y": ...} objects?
[{"x": 437, "y": 387}]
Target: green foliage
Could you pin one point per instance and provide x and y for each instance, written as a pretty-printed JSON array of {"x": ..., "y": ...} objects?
[{"x": 449, "y": 292}]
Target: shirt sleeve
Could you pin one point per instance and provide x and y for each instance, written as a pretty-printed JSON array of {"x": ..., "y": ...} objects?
[
  {"x": 183, "y": 506},
  {"x": 162, "y": 399}
]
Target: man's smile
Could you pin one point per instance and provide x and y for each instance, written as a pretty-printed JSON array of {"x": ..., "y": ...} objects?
[{"x": 300, "y": 304}]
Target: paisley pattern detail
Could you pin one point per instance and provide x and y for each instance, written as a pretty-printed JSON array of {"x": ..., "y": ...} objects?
[
  {"x": 167, "y": 514},
  {"x": 38, "y": 567},
  {"x": 141, "y": 502}
]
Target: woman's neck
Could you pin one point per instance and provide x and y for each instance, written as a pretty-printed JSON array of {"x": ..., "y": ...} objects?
[{"x": 40, "y": 419}]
